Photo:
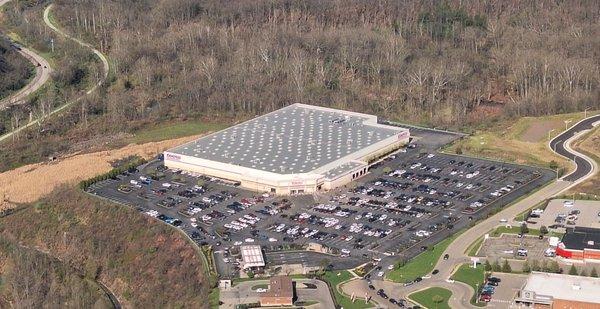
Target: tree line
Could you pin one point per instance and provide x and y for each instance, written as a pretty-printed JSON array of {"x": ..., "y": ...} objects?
[
  {"x": 442, "y": 63},
  {"x": 454, "y": 64}
]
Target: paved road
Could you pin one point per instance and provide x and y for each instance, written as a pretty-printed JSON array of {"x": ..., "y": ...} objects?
[
  {"x": 101, "y": 80},
  {"x": 457, "y": 249},
  {"x": 584, "y": 166},
  {"x": 42, "y": 73}
]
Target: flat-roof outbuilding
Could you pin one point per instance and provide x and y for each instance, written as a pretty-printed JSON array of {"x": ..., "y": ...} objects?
[
  {"x": 550, "y": 290},
  {"x": 252, "y": 256}
]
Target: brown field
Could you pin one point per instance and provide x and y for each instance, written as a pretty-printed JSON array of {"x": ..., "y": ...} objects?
[
  {"x": 29, "y": 183},
  {"x": 538, "y": 131}
]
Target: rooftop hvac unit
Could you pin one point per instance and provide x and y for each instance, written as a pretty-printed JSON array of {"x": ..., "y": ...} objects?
[{"x": 590, "y": 242}]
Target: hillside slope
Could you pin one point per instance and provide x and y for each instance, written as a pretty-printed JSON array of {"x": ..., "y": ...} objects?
[{"x": 146, "y": 264}]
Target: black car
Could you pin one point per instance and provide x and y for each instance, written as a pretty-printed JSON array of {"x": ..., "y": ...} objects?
[
  {"x": 393, "y": 301},
  {"x": 494, "y": 279},
  {"x": 492, "y": 283},
  {"x": 435, "y": 271},
  {"x": 446, "y": 256},
  {"x": 418, "y": 279},
  {"x": 371, "y": 287}
]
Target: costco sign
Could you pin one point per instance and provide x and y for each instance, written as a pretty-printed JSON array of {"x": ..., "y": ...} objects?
[
  {"x": 172, "y": 157},
  {"x": 404, "y": 135}
]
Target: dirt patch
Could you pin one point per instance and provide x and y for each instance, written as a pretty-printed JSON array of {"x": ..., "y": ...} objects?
[
  {"x": 29, "y": 183},
  {"x": 538, "y": 130}
]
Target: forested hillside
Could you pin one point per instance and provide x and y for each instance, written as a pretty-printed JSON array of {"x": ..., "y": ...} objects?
[
  {"x": 455, "y": 64},
  {"x": 31, "y": 279},
  {"x": 146, "y": 264},
  {"x": 15, "y": 70},
  {"x": 434, "y": 62}
]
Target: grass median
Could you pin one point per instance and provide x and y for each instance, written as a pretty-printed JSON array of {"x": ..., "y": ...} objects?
[
  {"x": 422, "y": 264},
  {"x": 474, "y": 277},
  {"x": 432, "y": 298},
  {"x": 334, "y": 278}
]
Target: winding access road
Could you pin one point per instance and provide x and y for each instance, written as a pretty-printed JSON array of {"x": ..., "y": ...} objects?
[
  {"x": 584, "y": 165},
  {"x": 42, "y": 74},
  {"x": 585, "y": 168},
  {"x": 101, "y": 80}
]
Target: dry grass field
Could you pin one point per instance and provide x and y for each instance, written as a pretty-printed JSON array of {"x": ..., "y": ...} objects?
[{"x": 29, "y": 183}]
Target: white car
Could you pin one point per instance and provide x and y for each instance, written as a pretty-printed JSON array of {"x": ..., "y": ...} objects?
[
  {"x": 237, "y": 243},
  {"x": 272, "y": 239},
  {"x": 390, "y": 267},
  {"x": 380, "y": 274},
  {"x": 431, "y": 155},
  {"x": 194, "y": 224},
  {"x": 249, "y": 240},
  {"x": 261, "y": 290}
]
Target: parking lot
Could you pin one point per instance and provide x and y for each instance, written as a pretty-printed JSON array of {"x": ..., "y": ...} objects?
[
  {"x": 506, "y": 290},
  {"x": 512, "y": 247},
  {"x": 407, "y": 202},
  {"x": 561, "y": 214}
]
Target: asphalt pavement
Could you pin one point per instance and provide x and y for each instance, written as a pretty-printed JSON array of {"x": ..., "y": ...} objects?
[
  {"x": 457, "y": 249},
  {"x": 559, "y": 145}
]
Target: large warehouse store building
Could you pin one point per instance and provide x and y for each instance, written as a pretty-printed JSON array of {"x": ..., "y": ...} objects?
[{"x": 297, "y": 149}]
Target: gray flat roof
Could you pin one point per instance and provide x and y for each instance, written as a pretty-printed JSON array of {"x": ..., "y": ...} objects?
[
  {"x": 295, "y": 139},
  {"x": 340, "y": 170},
  {"x": 566, "y": 287}
]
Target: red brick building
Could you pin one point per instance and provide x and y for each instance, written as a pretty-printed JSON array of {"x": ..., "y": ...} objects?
[{"x": 280, "y": 293}]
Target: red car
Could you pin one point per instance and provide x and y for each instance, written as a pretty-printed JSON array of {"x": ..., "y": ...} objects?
[{"x": 485, "y": 297}]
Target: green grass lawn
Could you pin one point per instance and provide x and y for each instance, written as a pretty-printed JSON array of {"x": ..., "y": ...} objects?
[
  {"x": 175, "y": 130},
  {"x": 343, "y": 300},
  {"x": 471, "y": 276},
  {"x": 213, "y": 298},
  {"x": 505, "y": 140},
  {"x": 517, "y": 229},
  {"x": 422, "y": 264},
  {"x": 426, "y": 298},
  {"x": 474, "y": 247}
]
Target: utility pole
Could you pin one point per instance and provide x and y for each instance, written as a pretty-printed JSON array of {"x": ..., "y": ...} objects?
[{"x": 585, "y": 112}]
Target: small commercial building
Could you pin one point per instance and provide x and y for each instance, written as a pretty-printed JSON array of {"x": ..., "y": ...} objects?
[
  {"x": 252, "y": 257},
  {"x": 297, "y": 149},
  {"x": 580, "y": 243},
  {"x": 280, "y": 293},
  {"x": 558, "y": 291}
]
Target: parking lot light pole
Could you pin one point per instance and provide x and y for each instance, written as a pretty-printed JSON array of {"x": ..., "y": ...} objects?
[
  {"x": 550, "y": 132},
  {"x": 585, "y": 112},
  {"x": 567, "y": 124}
]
